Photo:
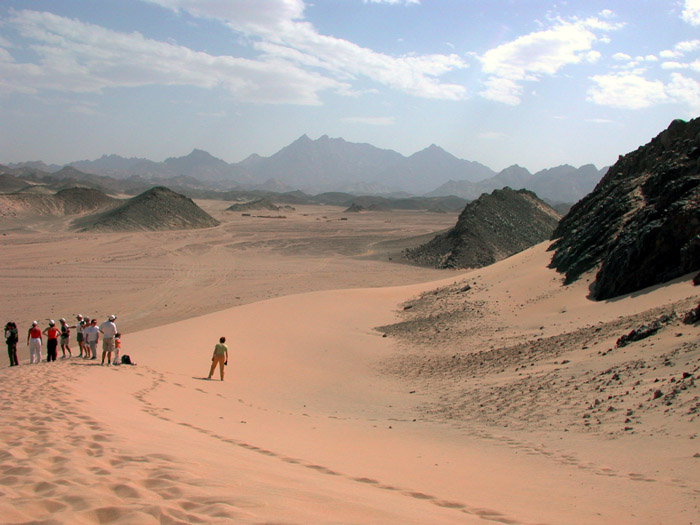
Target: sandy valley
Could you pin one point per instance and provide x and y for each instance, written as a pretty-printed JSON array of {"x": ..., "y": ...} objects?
[{"x": 359, "y": 390}]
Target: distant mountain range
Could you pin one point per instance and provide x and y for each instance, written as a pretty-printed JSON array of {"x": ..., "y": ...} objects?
[
  {"x": 333, "y": 164},
  {"x": 554, "y": 185}
]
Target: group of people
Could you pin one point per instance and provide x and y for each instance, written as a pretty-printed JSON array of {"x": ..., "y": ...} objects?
[{"x": 88, "y": 337}]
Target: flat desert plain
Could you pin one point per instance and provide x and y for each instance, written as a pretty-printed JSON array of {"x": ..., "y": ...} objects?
[{"x": 358, "y": 389}]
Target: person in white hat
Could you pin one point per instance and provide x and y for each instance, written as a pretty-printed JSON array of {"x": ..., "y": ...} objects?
[
  {"x": 34, "y": 342},
  {"x": 108, "y": 330}
]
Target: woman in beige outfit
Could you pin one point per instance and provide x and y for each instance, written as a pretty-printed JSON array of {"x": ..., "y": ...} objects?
[{"x": 220, "y": 358}]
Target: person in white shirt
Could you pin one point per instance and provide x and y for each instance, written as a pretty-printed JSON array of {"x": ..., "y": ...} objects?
[
  {"x": 108, "y": 330},
  {"x": 92, "y": 334}
]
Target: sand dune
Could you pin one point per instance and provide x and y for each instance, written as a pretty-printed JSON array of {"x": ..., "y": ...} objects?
[{"x": 321, "y": 419}]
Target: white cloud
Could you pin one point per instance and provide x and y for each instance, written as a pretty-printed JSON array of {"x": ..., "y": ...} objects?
[
  {"x": 542, "y": 53},
  {"x": 371, "y": 121},
  {"x": 277, "y": 28},
  {"x": 679, "y": 51},
  {"x": 635, "y": 92},
  {"x": 685, "y": 91},
  {"x": 79, "y": 57},
  {"x": 621, "y": 56},
  {"x": 691, "y": 12},
  {"x": 503, "y": 90},
  {"x": 628, "y": 91},
  {"x": 688, "y": 46},
  {"x": 667, "y": 53},
  {"x": 674, "y": 65}
]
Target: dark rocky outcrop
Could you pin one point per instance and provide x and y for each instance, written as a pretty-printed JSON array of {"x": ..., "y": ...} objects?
[
  {"x": 644, "y": 331},
  {"x": 641, "y": 223},
  {"x": 354, "y": 208},
  {"x": 156, "y": 209},
  {"x": 692, "y": 316},
  {"x": 489, "y": 229}
]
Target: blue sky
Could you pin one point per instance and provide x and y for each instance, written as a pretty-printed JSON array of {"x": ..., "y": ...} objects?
[{"x": 499, "y": 82}]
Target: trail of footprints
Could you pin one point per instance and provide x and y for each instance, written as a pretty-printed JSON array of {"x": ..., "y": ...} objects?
[
  {"x": 563, "y": 458},
  {"x": 60, "y": 466},
  {"x": 48, "y": 444},
  {"x": 568, "y": 459},
  {"x": 149, "y": 408}
]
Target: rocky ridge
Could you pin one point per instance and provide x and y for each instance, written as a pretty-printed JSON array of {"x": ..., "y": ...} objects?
[
  {"x": 259, "y": 204},
  {"x": 70, "y": 201},
  {"x": 489, "y": 229},
  {"x": 641, "y": 223}
]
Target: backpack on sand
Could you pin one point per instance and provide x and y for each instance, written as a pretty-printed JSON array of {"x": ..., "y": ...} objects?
[{"x": 126, "y": 360}]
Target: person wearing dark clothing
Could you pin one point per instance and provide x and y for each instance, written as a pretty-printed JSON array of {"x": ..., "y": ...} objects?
[
  {"x": 51, "y": 333},
  {"x": 11, "y": 338}
]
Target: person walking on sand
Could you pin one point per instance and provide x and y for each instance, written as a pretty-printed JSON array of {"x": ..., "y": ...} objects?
[
  {"x": 220, "y": 358},
  {"x": 11, "y": 338},
  {"x": 51, "y": 333},
  {"x": 34, "y": 342},
  {"x": 108, "y": 330},
  {"x": 92, "y": 334},
  {"x": 65, "y": 338}
]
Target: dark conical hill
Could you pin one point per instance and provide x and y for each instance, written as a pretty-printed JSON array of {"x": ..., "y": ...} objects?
[
  {"x": 641, "y": 223},
  {"x": 156, "y": 209},
  {"x": 493, "y": 227}
]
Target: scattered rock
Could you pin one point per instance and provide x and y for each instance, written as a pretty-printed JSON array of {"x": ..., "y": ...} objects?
[
  {"x": 645, "y": 330},
  {"x": 693, "y": 316}
]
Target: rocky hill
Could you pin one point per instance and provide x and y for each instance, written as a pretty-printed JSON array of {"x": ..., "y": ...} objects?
[
  {"x": 10, "y": 183},
  {"x": 71, "y": 201},
  {"x": 489, "y": 229},
  {"x": 641, "y": 224},
  {"x": 259, "y": 204},
  {"x": 156, "y": 209}
]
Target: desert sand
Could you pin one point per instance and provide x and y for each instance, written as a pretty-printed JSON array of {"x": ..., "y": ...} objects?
[{"x": 358, "y": 390}]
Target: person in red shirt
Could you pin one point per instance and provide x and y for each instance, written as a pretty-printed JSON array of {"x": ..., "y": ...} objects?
[
  {"x": 34, "y": 343},
  {"x": 51, "y": 333}
]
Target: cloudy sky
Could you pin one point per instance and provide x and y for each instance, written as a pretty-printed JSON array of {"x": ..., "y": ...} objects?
[{"x": 500, "y": 82}]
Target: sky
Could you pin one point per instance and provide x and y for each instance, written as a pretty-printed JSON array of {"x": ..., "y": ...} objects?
[{"x": 500, "y": 82}]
